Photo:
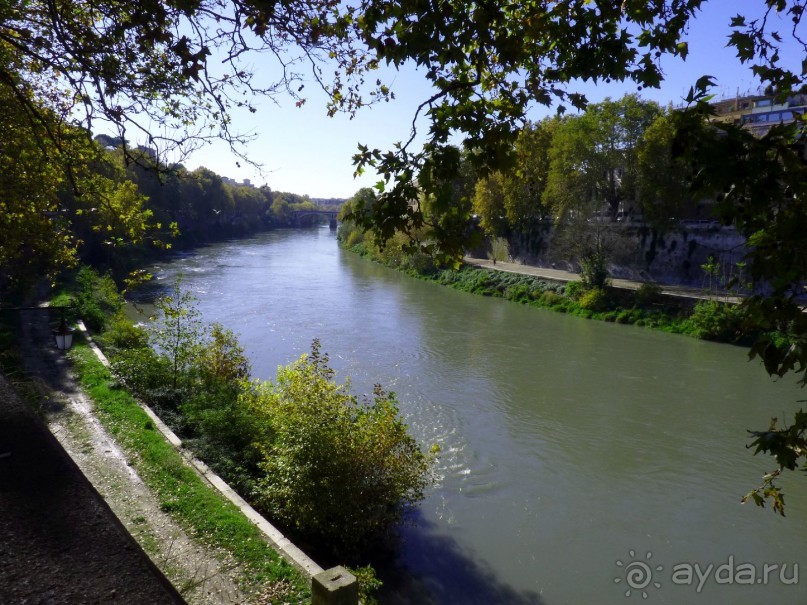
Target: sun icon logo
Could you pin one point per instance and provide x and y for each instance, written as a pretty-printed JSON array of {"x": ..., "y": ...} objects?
[{"x": 638, "y": 574}]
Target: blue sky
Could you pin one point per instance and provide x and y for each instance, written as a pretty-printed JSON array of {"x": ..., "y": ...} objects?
[{"x": 304, "y": 151}]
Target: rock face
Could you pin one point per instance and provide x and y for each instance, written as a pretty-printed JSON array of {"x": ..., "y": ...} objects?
[
  {"x": 641, "y": 253},
  {"x": 678, "y": 256}
]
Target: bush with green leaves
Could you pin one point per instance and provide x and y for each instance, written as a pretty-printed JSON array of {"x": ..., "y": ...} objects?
[
  {"x": 123, "y": 335},
  {"x": 574, "y": 289},
  {"x": 595, "y": 299},
  {"x": 552, "y": 299},
  {"x": 222, "y": 430},
  {"x": 716, "y": 320},
  {"x": 95, "y": 299},
  {"x": 334, "y": 468},
  {"x": 368, "y": 584},
  {"x": 179, "y": 335},
  {"x": 594, "y": 271},
  {"x": 148, "y": 375}
]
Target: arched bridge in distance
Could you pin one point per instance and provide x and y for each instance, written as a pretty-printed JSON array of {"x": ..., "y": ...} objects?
[{"x": 299, "y": 217}]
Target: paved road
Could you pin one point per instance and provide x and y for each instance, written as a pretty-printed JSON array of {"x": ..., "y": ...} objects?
[{"x": 566, "y": 276}]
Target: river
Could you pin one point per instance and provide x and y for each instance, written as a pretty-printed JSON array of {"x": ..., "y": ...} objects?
[{"x": 581, "y": 462}]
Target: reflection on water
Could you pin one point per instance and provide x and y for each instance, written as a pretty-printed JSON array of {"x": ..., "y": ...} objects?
[{"x": 566, "y": 444}]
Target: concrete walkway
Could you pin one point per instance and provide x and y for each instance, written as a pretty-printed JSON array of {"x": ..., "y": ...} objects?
[
  {"x": 625, "y": 284},
  {"x": 62, "y": 544}
]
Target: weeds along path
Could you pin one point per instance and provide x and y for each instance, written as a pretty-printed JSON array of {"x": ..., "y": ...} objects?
[{"x": 201, "y": 575}]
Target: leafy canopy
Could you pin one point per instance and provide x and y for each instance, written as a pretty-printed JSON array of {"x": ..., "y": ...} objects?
[
  {"x": 169, "y": 73},
  {"x": 172, "y": 71}
]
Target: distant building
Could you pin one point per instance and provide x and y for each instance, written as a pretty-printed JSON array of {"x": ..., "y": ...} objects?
[{"x": 758, "y": 113}]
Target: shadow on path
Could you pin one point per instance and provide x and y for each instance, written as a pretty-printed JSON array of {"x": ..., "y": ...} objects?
[{"x": 61, "y": 542}]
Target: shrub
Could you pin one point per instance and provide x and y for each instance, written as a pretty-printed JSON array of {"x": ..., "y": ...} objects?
[
  {"x": 595, "y": 299},
  {"x": 594, "y": 271},
  {"x": 333, "y": 468},
  {"x": 144, "y": 372},
  {"x": 551, "y": 299},
  {"x": 223, "y": 432},
  {"x": 353, "y": 238},
  {"x": 222, "y": 358},
  {"x": 368, "y": 584},
  {"x": 715, "y": 320},
  {"x": 362, "y": 248},
  {"x": 420, "y": 263},
  {"x": 574, "y": 289},
  {"x": 122, "y": 334},
  {"x": 518, "y": 292},
  {"x": 96, "y": 298},
  {"x": 179, "y": 335}
]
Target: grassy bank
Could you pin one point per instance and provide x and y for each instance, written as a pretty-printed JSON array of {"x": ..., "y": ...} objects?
[
  {"x": 709, "y": 320},
  {"x": 198, "y": 508}
]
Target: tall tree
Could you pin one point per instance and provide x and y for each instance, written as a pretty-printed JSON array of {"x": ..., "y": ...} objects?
[
  {"x": 35, "y": 236},
  {"x": 147, "y": 70},
  {"x": 593, "y": 166},
  {"x": 524, "y": 189},
  {"x": 489, "y": 204},
  {"x": 662, "y": 177}
]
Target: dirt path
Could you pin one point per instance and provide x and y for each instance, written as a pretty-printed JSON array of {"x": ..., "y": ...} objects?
[{"x": 201, "y": 575}]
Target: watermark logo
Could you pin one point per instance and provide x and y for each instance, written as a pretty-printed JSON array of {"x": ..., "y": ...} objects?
[{"x": 639, "y": 575}]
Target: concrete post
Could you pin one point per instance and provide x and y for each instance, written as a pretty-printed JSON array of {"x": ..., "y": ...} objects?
[{"x": 335, "y": 586}]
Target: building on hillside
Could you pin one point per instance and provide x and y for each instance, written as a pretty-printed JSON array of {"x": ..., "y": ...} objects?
[{"x": 758, "y": 113}]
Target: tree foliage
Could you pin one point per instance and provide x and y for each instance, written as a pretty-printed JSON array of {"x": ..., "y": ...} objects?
[
  {"x": 332, "y": 466},
  {"x": 489, "y": 204},
  {"x": 524, "y": 190},
  {"x": 593, "y": 165},
  {"x": 511, "y": 199},
  {"x": 327, "y": 465},
  {"x": 169, "y": 73},
  {"x": 500, "y": 60},
  {"x": 173, "y": 71},
  {"x": 662, "y": 176},
  {"x": 178, "y": 335},
  {"x": 759, "y": 185}
]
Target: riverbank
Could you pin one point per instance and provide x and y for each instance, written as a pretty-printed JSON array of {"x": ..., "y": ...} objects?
[
  {"x": 62, "y": 543},
  {"x": 705, "y": 314},
  {"x": 622, "y": 284}
]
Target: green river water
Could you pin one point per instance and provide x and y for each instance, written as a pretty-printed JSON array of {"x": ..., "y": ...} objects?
[{"x": 582, "y": 462}]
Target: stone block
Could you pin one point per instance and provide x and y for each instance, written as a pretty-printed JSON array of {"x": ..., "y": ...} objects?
[{"x": 335, "y": 586}]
